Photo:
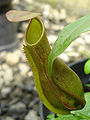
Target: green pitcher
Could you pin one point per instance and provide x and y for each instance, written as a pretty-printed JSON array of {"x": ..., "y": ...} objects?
[{"x": 60, "y": 93}]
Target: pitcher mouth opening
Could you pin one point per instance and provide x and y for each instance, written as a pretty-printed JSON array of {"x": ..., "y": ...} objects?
[{"x": 34, "y": 31}]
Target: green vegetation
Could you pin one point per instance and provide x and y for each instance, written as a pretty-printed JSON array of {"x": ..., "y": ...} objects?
[
  {"x": 83, "y": 114},
  {"x": 87, "y": 67}
]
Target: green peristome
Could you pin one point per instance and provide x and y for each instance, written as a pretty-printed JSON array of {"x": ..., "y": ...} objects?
[{"x": 61, "y": 93}]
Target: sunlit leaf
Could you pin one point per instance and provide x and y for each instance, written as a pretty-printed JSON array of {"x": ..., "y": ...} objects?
[{"x": 17, "y": 16}]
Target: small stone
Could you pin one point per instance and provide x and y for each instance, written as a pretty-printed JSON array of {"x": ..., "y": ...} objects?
[
  {"x": 30, "y": 74},
  {"x": 39, "y": 118},
  {"x": 13, "y": 101},
  {"x": 17, "y": 108},
  {"x": 1, "y": 82},
  {"x": 9, "y": 118},
  {"x": 18, "y": 53},
  {"x": 70, "y": 19},
  {"x": 8, "y": 76},
  {"x": 73, "y": 54},
  {"x": 63, "y": 14},
  {"x": 5, "y": 91},
  {"x": 18, "y": 80},
  {"x": 86, "y": 35},
  {"x": 1, "y": 74},
  {"x": 56, "y": 15},
  {"x": 52, "y": 39},
  {"x": 69, "y": 48},
  {"x": 2, "y": 56},
  {"x": 28, "y": 86},
  {"x": 79, "y": 40},
  {"x": 20, "y": 36},
  {"x": 12, "y": 59},
  {"x": 57, "y": 27},
  {"x": 1, "y": 78},
  {"x": 24, "y": 26},
  {"x": 46, "y": 23},
  {"x": 16, "y": 1},
  {"x": 17, "y": 92},
  {"x": 35, "y": 89},
  {"x": 81, "y": 49},
  {"x": 36, "y": 107},
  {"x": 23, "y": 69},
  {"x": 46, "y": 10},
  {"x": 4, "y": 106},
  {"x": 34, "y": 102},
  {"x": 29, "y": 1},
  {"x": 23, "y": 58},
  {"x": 27, "y": 99},
  {"x": 0, "y": 68},
  {"x": 86, "y": 38},
  {"x": 5, "y": 66},
  {"x": 32, "y": 115},
  {"x": 64, "y": 57}
]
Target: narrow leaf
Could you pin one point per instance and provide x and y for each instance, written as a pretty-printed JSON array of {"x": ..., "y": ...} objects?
[
  {"x": 67, "y": 35},
  {"x": 17, "y": 16}
]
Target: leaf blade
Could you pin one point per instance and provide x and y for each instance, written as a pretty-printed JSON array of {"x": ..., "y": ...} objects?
[{"x": 67, "y": 35}]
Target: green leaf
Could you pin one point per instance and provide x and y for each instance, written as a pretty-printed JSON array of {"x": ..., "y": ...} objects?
[
  {"x": 66, "y": 117},
  {"x": 17, "y": 16},
  {"x": 87, "y": 67},
  {"x": 66, "y": 36},
  {"x": 50, "y": 116},
  {"x": 62, "y": 117},
  {"x": 85, "y": 112},
  {"x": 87, "y": 85}
]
